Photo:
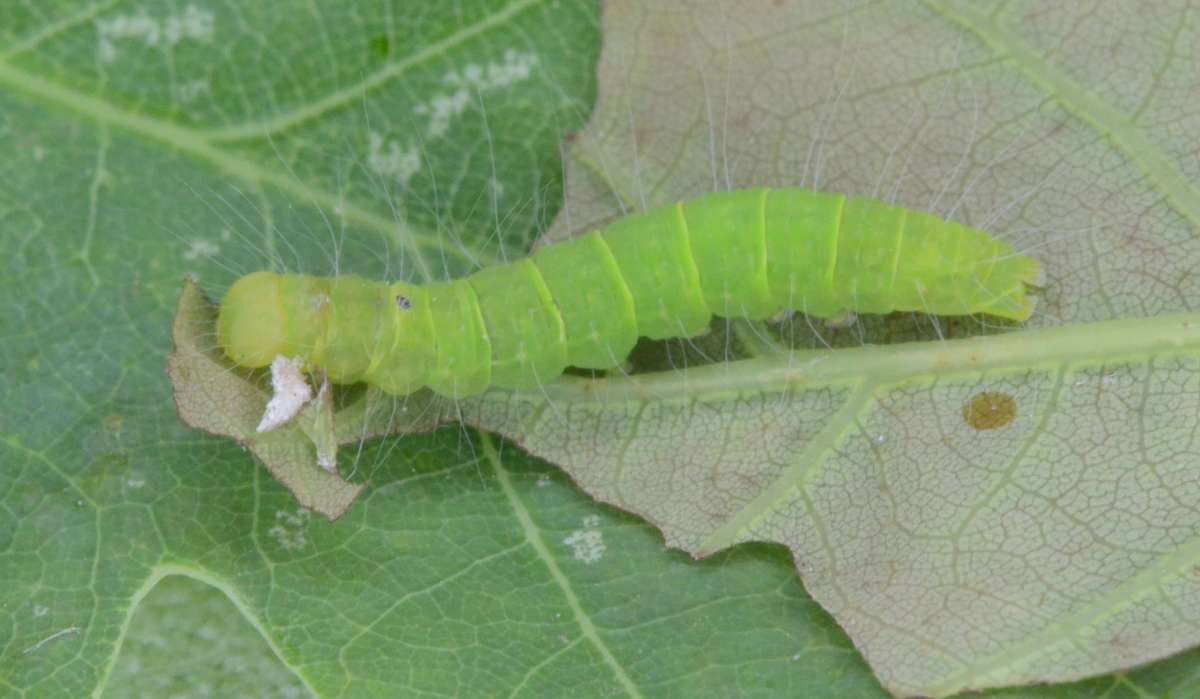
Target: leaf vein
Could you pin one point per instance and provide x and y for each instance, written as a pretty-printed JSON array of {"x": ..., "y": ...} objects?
[{"x": 535, "y": 539}]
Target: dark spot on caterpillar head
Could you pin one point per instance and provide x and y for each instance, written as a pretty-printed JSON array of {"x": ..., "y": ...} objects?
[
  {"x": 989, "y": 410},
  {"x": 380, "y": 46},
  {"x": 403, "y": 303}
]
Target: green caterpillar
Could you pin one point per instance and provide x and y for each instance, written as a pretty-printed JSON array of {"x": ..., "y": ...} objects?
[{"x": 659, "y": 274}]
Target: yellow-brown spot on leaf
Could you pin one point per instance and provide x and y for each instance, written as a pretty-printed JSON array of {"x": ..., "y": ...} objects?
[{"x": 990, "y": 410}]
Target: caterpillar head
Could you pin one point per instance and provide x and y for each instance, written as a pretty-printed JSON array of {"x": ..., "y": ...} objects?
[
  {"x": 251, "y": 326},
  {"x": 354, "y": 329}
]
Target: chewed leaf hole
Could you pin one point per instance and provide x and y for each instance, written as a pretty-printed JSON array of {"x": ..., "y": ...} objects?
[{"x": 990, "y": 410}]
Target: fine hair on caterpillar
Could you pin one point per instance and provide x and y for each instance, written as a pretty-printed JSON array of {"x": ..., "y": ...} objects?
[{"x": 660, "y": 274}]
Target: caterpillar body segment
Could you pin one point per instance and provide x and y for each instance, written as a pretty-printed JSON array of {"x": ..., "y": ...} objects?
[
  {"x": 659, "y": 274},
  {"x": 596, "y": 305},
  {"x": 463, "y": 348},
  {"x": 802, "y": 251},
  {"x": 654, "y": 256},
  {"x": 524, "y": 325}
]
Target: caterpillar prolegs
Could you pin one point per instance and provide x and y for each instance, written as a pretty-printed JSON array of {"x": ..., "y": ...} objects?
[{"x": 660, "y": 274}]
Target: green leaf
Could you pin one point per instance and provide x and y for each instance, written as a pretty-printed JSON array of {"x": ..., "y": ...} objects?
[
  {"x": 187, "y": 639},
  {"x": 146, "y": 143}
]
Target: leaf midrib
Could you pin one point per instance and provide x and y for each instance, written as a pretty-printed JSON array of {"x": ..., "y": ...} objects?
[{"x": 1132, "y": 339}]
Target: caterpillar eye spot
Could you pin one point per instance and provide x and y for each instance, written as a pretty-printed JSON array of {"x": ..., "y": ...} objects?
[{"x": 403, "y": 303}]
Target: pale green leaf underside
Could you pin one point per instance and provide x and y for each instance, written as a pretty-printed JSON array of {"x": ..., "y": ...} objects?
[
  {"x": 1053, "y": 545},
  {"x": 1060, "y": 545}
]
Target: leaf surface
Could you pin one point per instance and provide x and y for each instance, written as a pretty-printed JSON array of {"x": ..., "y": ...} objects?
[
  {"x": 146, "y": 142},
  {"x": 1008, "y": 509}
]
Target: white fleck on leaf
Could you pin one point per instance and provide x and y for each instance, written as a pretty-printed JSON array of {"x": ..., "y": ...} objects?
[
  {"x": 388, "y": 159},
  {"x": 291, "y": 393},
  {"x": 193, "y": 24},
  {"x": 323, "y": 429},
  {"x": 587, "y": 544},
  {"x": 289, "y": 528},
  {"x": 201, "y": 248},
  {"x": 467, "y": 85}
]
